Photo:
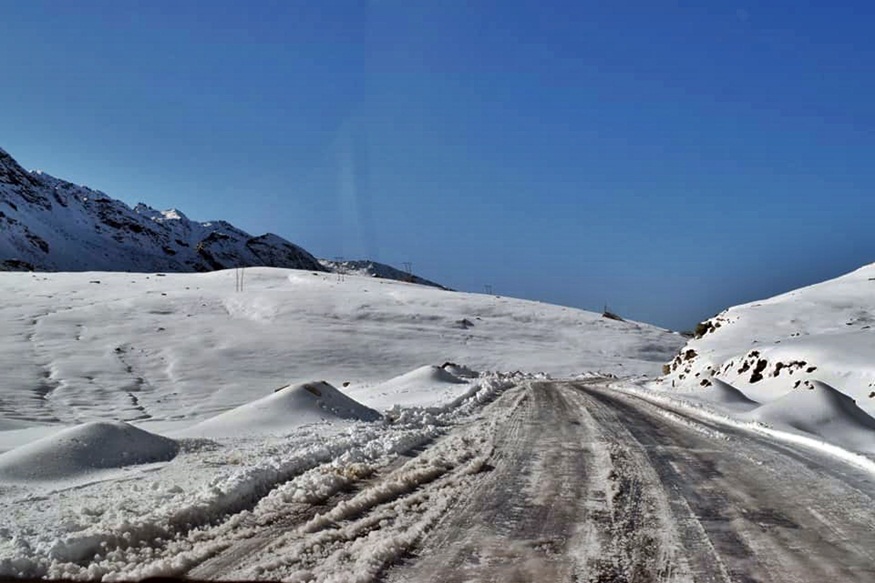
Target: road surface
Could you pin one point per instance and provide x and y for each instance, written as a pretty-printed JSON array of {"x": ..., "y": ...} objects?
[{"x": 571, "y": 481}]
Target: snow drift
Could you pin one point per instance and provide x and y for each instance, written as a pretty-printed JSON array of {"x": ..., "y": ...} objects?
[
  {"x": 286, "y": 409},
  {"x": 724, "y": 394},
  {"x": 823, "y": 411},
  {"x": 85, "y": 448}
]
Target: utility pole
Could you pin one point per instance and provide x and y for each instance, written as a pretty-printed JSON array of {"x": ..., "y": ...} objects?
[
  {"x": 488, "y": 289},
  {"x": 341, "y": 268},
  {"x": 238, "y": 277},
  {"x": 408, "y": 267}
]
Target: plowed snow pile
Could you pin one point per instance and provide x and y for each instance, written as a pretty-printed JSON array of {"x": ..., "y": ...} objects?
[
  {"x": 428, "y": 386},
  {"x": 727, "y": 396},
  {"x": 287, "y": 409},
  {"x": 84, "y": 449}
]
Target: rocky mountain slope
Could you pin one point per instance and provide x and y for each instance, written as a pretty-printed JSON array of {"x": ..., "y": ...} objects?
[
  {"x": 50, "y": 224},
  {"x": 821, "y": 333}
]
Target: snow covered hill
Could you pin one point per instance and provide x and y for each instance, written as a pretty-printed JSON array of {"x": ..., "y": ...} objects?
[
  {"x": 128, "y": 346},
  {"x": 773, "y": 348}
]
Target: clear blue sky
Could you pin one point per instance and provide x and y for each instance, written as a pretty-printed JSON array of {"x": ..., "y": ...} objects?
[{"x": 669, "y": 158}]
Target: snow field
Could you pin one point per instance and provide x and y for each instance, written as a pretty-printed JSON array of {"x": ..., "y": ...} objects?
[{"x": 180, "y": 348}]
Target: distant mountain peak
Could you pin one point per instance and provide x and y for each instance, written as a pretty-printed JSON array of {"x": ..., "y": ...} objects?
[{"x": 50, "y": 224}]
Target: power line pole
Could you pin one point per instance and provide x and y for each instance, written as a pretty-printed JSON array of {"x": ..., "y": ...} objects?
[
  {"x": 341, "y": 268},
  {"x": 238, "y": 278},
  {"x": 488, "y": 289}
]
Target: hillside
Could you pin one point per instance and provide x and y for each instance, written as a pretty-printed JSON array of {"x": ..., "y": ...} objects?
[
  {"x": 86, "y": 346},
  {"x": 789, "y": 342}
]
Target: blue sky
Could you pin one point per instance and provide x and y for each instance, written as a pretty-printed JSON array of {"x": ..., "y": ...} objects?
[{"x": 667, "y": 158}]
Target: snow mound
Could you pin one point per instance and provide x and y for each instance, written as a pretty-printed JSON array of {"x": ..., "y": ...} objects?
[
  {"x": 823, "y": 411},
  {"x": 425, "y": 375},
  {"x": 426, "y": 386},
  {"x": 286, "y": 409},
  {"x": 725, "y": 394},
  {"x": 85, "y": 448}
]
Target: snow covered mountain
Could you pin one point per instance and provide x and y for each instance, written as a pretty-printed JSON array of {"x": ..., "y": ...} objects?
[
  {"x": 49, "y": 224},
  {"x": 775, "y": 348}
]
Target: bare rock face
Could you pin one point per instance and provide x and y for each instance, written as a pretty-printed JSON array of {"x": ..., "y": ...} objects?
[{"x": 48, "y": 224}]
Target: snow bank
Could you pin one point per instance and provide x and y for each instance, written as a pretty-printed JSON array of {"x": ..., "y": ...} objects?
[
  {"x": 85, "y": 448},
  {"x": 823, "y": 411},
  {"x": 286, "y": 409}
]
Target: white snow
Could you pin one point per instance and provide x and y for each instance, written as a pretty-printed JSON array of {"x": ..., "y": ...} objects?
[
  {"x": 287, "y": 409},
  {"x": 427, "y": 386},
  {"x": 83, "y": 449},
  {"x": 805, "y": 359},
  {"x": 193, "y": 367},
  {"x": 854, "y": 445},
  {"x": 823, "y": 411},
  {"x": 184, "y": 347}
]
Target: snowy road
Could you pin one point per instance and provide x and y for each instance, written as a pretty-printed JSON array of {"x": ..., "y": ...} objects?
[{"x": 571, "y": 481}]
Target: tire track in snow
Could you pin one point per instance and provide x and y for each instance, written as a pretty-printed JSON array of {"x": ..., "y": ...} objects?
[
  {"x": 565, "y": 501},
  {"x": 560, "y": 481},
  {"x": 365, "y": 526}
]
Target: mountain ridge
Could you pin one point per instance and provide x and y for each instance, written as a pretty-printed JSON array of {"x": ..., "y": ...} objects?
[{"x": 50, "y": 224}]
